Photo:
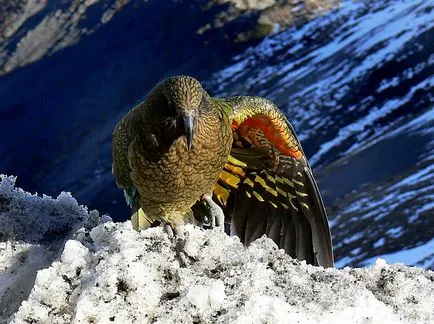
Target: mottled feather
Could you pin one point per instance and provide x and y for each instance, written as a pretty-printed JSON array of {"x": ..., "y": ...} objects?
[{"x": 151, "y": 159}]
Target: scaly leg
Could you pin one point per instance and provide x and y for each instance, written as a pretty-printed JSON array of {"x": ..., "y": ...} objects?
[
  {"x": 216, "y": 214},
  {"x": 177, "y": 236}
]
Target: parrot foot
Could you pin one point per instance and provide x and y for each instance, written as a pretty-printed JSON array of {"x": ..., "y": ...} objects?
[
  {"x": 216, "y": 214},
  {"x": 177, "y": 236}
]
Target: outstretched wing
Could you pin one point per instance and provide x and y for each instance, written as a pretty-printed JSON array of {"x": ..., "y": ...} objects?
[{"x": 267, "y": 186}]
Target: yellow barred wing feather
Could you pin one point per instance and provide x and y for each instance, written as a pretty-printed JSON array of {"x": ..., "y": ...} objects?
[{"x": 267, "y": 186}]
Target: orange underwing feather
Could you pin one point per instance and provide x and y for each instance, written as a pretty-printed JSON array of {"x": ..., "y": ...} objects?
[
  {"x": 235, "y": 169},
  {"x": 273, "y": 130}
]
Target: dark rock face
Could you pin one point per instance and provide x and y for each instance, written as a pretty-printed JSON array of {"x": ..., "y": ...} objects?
[
  {"x": 356, "y": 83},
  {"x": 255, "y": 19}
]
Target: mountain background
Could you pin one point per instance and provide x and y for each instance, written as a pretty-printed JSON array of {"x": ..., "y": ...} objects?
[{"x": 355, "y": 78}]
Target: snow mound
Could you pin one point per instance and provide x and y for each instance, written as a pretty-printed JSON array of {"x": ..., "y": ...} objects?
[
  {"x": 33, "y": 231},
  {"x": 115, "y": 274},
  {"x": 110, "y": 273}
]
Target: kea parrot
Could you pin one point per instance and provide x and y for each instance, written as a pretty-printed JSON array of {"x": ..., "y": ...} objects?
[{"x": 181, "y": 155}]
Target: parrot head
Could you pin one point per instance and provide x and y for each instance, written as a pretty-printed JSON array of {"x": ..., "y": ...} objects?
[{"x": 184, "y": 100}]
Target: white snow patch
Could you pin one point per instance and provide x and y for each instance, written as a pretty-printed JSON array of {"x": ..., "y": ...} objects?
[
  {"x": 379, "y": 242},
  {"x": 209, "y": 296},
  {"x": 74, "y": 254},
  {"x": 414, "y": 256}
]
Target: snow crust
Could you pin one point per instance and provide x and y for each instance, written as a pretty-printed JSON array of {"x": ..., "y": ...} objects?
[
  {"x": 33, "y": 230},
  {"x": 106, "y": 272}
]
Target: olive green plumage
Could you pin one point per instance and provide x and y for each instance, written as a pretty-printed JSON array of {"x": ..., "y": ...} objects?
[
  {"x": 179, "y": 146},
  {"x": 152, "y": 159}
]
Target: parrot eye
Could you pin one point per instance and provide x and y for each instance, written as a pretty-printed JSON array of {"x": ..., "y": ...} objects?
[
  {"x": 204, "y": 105},
  {"x": 168, "y": 106}
]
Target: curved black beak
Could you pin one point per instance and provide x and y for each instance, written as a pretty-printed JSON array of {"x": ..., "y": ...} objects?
[{"x": 189, "y": 130}]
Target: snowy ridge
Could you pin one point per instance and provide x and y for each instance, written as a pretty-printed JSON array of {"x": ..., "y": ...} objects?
[
  {"x": 110, "y": 273},
  {"x": 409, "y": 219},
  {"x": 396, "y": 213},
  {"x": 47, "y": 222}
]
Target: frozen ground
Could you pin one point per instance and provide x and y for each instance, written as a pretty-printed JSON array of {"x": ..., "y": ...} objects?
[{"x": 62, "y": 264}]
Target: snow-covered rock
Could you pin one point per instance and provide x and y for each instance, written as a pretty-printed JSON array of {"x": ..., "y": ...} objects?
[
  {"x": 110, "y": 273},
  {"x": 118, "y": 275},
  {"x": 33, "y": 231}
]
